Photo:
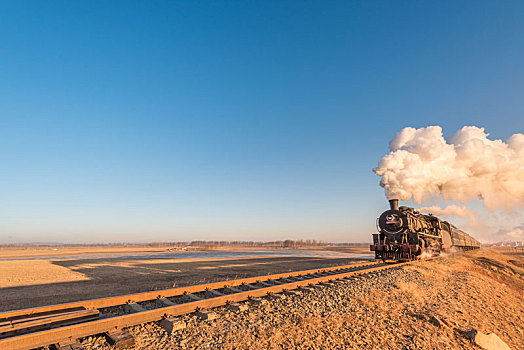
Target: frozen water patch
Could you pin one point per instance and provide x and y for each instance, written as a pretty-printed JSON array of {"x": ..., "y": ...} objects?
[{"x": 209, "y": 254}]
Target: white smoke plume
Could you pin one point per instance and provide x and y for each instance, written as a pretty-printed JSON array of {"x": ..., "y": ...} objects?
[
  {"x": 423, "y": 165},
  {"x": 450, "y": 210}
]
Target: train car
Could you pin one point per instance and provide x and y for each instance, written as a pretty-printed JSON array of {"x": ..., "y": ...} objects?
[{"x": 405, "y": 234}]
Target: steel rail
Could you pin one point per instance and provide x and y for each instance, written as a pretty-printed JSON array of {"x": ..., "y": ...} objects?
[
  {"x": 166, "y": 293},
  {"x": 72, "y": 332}
]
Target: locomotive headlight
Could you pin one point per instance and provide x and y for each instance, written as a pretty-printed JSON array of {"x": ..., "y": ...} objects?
[{"x": 392, "y": 220}]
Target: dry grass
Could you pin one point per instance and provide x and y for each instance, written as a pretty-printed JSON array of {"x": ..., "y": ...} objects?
[{"x": 27, "y": 273}]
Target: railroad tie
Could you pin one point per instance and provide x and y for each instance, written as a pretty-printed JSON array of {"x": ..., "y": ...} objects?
[
  {"x": 215, "y": 293},
  {"x": 194, "y": 297},
  {"x": 328, "y": 284},
  {"x": 74, "y": 346},
  {"x": 237, "y": 307},
  {"x": 277, "y": 296},
  {"x": 292, "y": 292},
  {"x": 206, "y": 315},
  {"x": 265, "y": 284},
  {"x": 166, "y": 301},
  {"x": 259, "y": 301},
  {"x": 134, "y": 307},
  {"x": 298, "y": 278},
  {"x": 234, "y": 290},
  {"x": 120, "y": 340},
  {"x": 172, "y": 324}
]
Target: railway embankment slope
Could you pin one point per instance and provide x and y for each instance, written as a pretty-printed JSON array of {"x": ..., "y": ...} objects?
[{"x": 430, "y": 305}]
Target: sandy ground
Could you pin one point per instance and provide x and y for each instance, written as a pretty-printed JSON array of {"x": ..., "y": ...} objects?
[
  {"x": 28, "y": 272},
  {"x": 30, "y": 251},
  {"x": 431, "y": 305},
  {"x": 30, "y": 283}
]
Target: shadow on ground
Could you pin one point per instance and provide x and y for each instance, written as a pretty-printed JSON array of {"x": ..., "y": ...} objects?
[{"x": 110, "y": 277}]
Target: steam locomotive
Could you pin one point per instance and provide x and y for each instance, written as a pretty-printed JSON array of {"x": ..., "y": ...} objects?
[{"x": 404, "y": 234}]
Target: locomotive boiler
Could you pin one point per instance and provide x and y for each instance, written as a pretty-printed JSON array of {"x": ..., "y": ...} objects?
[{"x": 405, "y": 234}]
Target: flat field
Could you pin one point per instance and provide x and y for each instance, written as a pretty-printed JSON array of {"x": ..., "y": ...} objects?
[
  {"x": 32, "y": 252},
  {"x": 78, "y": 274}
]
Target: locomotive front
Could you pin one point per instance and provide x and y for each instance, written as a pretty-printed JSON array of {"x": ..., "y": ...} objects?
[{"x": 399, "y": 233}]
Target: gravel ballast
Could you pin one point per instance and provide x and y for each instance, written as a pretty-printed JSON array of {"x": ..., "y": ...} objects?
[{"x": 429, "y": 305}]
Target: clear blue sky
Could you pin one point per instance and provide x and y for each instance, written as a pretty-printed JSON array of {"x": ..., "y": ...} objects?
[{"x": 253, "y": 120}]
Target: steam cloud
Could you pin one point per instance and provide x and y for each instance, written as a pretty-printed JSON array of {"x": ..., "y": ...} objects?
[
  {"x": 423, "y": 165},
  {"x": 454, "y": 210}
]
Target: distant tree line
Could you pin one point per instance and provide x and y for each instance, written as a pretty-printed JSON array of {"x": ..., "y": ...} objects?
[
  {"x": 288, "y": 243},
  {"x": 277, "y": 244}
]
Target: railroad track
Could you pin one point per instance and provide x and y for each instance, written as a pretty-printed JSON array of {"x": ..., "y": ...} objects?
[{"x": 60, "y": 326}]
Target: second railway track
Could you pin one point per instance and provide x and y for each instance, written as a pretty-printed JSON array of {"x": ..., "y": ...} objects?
[{"x": 63, "y": 324}]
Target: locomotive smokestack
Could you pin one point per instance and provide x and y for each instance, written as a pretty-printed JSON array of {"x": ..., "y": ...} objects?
[{"x": 393, "y": 204}]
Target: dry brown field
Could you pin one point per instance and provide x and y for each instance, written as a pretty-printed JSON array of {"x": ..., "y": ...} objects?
[
  {"x": 30, "y": 251},
  {"x": 30, "y": 283}
]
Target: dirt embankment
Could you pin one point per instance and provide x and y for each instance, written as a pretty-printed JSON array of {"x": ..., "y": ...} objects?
[{"x": 430, "y": 305}]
